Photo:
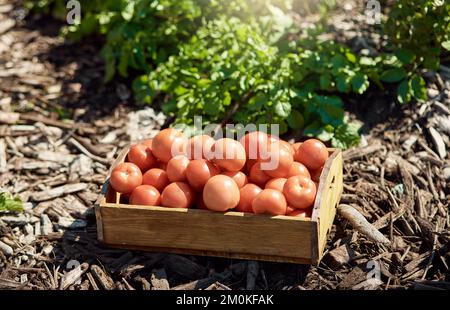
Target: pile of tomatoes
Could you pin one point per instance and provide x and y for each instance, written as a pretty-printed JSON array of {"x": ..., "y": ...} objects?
[{"x": 222, "y": 175}]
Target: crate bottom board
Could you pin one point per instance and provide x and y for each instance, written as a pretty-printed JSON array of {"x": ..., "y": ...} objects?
[{"x": 267, "y": 258}]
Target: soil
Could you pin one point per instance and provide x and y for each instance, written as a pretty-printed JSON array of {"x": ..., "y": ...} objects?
[{"x": 61, "y": 127}]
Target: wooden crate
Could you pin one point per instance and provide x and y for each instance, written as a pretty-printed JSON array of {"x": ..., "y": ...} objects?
[{"x": 230, "y": 234}]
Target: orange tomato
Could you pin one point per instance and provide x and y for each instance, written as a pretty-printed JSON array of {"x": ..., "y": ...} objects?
[
  {"x": 247, "y": 193},
  {"x": 221, "y": 193},
  {"x": 295, "y": 147},
  {"x": 239, "y": 177},
  {"x": 312, "y": 153},
  {"x": 258, "y": 176},
  {"x": 141, "y": 155},
  {"x": 156, "y": 177},
  {"x": 199, "y": 147},
  {"x": 145, "y": 195},
  {"x": 255, "y": 143},
  {"x": 125, "y": 177},
  {"x": 269, "y": 201},
  {"x": 298, "y": 169},
  {"x": 249, "y": 164},
  {"x": 299, "y": 213},
  {"x": 276, "y": 184},
  {"x": 228, "y": 154},
  {"x": 199, "y": 171},
  {"x": 168, "y": 143},
  {"x": 177, "y": 195},
  {"x": 176, "y": 168},
  {"x": 300, "y": 192},
  {"x": 278, "y": 162},
  {"x": 148, "y": 142}
]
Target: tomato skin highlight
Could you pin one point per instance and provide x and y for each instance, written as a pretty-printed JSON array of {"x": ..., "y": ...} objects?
[
  {"x": 176, "y": 168},
  {"x": 269, "y": 201},
  {"x": 247, "y": 193},
  {"x": 312, "y": 153},
  {"x": 221, "y": 193},
  {"x": 228, "y": 154},
  {"x": 141, "y": 155},
  {"x": 300, "y": 192},
  {"x": 145, "y": 195},
  {"x": 239, "y": 177},
  {"x": 177, "y": 195},
  {"x": 276, "y": 184},
  {"x": 157, "y": 178},
  {"x": 258, "y": 176},
  {"x": 199, "y": 171},
  {"x": 298, "y": 169},
  {"x": 125, "y": 177},
  {"x": 168, "y": 143}
]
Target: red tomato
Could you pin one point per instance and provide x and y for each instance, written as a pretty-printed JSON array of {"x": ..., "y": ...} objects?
[
  {"x": 249, "y": 164},
  {"x": 199, "y": 147},
  {"x": 228, "y": 154},
  {"x": 200, "y": 203},
  {"x": 255, "y": 143},
  {"x": 177, "y": 195},
  {"x": 221, "y": 193},
  {"x": 125, "y": 177},
  {"x": 148, "y": 142},
  {"x": 312, "y": 153},
  {"x": 145, "y": 195},
  {"x": 247, "y": 194},
  {"x": 258, "y": 176},
  {"x": 161, "y": 165},
  {"x": 239, "y": 177},
  {"x": 276, "y": 184},
  {"x": 298, "y": 169},
  {"x": 300, "y": 192},
  {"x": 156, "y": 177},
  {"x": 273, "y": 138},
  {"x": 295, "y": 147},
  {"x": 278, "y": 162},
  {"x": 141, "y": 155},
  {"x": 299, "y": 213},
  {"x": 287, "y": 146},
  {"x": 315, "y": 174},
  {"x": 269, "y": 201},
  {"x": 176, "y": 168},
  {"x": 169, "y": 143},
  {"x": 199, "y": 171}
]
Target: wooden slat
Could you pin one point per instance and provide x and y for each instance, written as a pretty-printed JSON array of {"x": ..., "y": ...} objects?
[
  {"x": 330, "y": 190},
  {"x": 233, "y": 233}
]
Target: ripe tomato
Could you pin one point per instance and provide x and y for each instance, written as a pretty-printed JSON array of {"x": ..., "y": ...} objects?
[
  {"x": 273, "y": 138},
  {"x": 145, "y": 195},
  {"x": 148, "y": 142},
  {"x": 299, "y": 213},
  {"x": 161, "y": 165},
  {"x": 255, "y": 143},
  {"x": 239, "y": 177},
  {"x": 156, "y": 177},
  {"x": 125, "y": 177},
  {"x": 168, "y": 143},
  {"x": 300, "y": 192},
  {"x": 276, "y": 184},
  {"x": 228, "y": 154},
  {"x": 258, "y": 176},
  {"x": 269, "y": 201},
  {"x": 247, "y": 193},
  {"x": 249, "y": 164},
  {"x": 177, "y": 195},
  {"x": 200, "y": 203},
  {"x": 287, "y": 146},
  {"x": 312, "y": 153},
  {"x": 315, "y": 174},
  {"x": 176, "y": 168},
  {"x": 199, "y": 147},
  {"x": 199, "y": 171},
  {"x": 278, "y": 162},
  {"x": 221, "y": 193},
  {"x": 298, "y": 169},
  {"x": 295, "y": 147},
  {"x": 141, "y": 155}
]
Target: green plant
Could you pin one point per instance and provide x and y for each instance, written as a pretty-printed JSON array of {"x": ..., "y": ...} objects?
[{"x": 9, "y": 203}]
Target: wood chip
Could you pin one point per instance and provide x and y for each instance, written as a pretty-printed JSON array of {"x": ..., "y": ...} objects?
[
  {"x": 159, "y": 280},
  {"x": 58, "y": 191},
  {"x": 103, "y": 278},
  {"x": 359, "y": 222},
  {"x": 438, "y": 142}
]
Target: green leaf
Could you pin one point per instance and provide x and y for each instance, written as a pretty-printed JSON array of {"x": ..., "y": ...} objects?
[
  {"x": 360, "y": 83},
  {"x": 319, "y": 131},
  {"x": 282, "y": 109},
  {"x": 393, "y": 75},
  {"x": 346, "y": 136},
  {"x": 404, "y": 92},
  {"x": 212, "y": 107},
  {"x": 9, "y": 203},
  {"x": 256, "y": 102},
  {"x": 446, "y": 45},
  {"x": 128, "y": 11},
  {"x": 325, "y": 81},
  {"x": 295, "y": 120},
  {"x": 405, "y": 55},
  {"x": 419, "y": 90},
  {"x": 330, "y": 109}
]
